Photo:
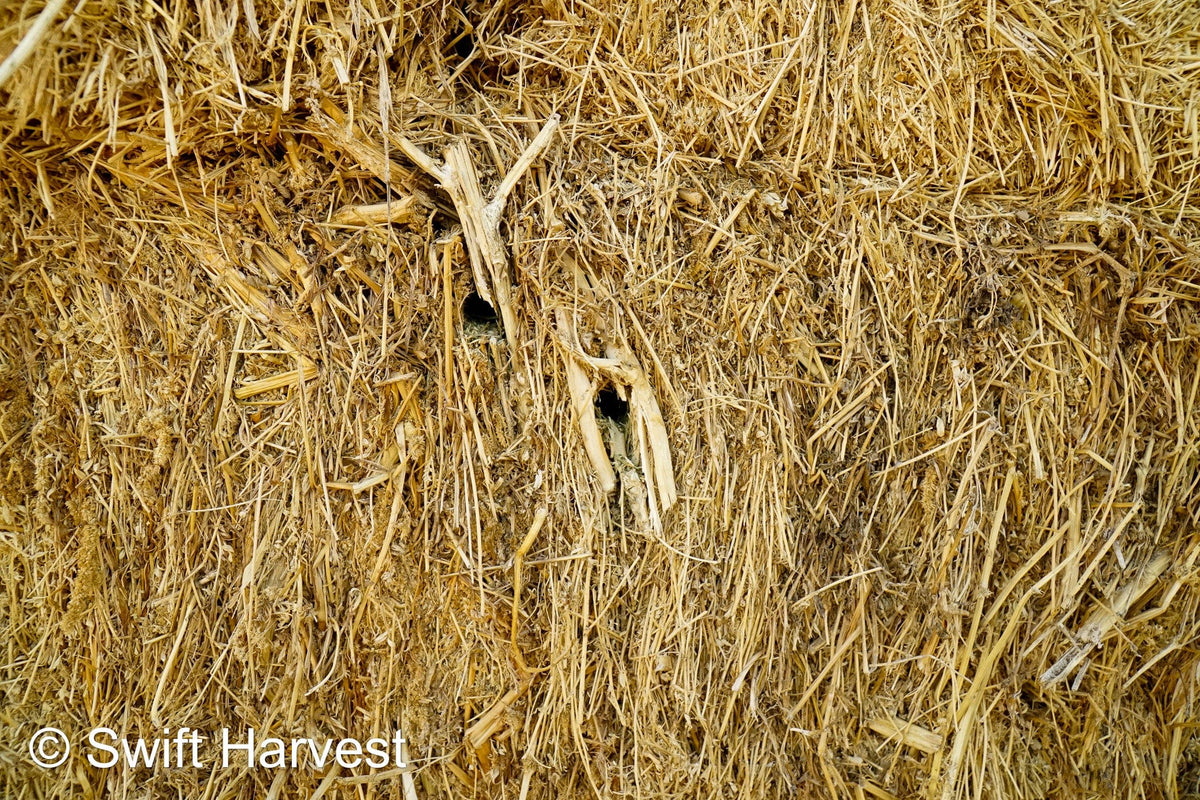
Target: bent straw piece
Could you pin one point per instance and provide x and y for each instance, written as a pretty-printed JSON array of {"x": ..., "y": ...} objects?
[
  {"x": 401, "y": 209},
  {"x": 583, "y": 393},
  {"x": 908, "y": 733},
  {"x": 490, "y": 721},
  {"x": 305, "y": 372},
  {"x": 30, "y": 40},
  {"x": 518, "y": 170},
  {"x": 1101, "y": 621},
  {"x": 518, "y": 563}
]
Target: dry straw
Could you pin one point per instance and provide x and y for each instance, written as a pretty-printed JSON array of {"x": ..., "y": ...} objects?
[{"x": 646, "y": 400}]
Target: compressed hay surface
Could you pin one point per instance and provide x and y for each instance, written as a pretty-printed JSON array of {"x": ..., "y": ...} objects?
[{"x": 640, "y": 400}]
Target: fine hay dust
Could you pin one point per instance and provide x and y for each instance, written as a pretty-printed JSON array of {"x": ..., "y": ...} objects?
[{"x": 600, "y": 400}]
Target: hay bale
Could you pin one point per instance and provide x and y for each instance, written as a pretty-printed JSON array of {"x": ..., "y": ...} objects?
[{"x": 792, "y": 400}]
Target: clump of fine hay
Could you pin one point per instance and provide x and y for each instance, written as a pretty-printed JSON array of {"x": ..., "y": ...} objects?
[{"x": 619, "y": 400}]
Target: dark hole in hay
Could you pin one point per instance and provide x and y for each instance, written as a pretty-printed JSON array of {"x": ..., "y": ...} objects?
[
  {"x": 273, "y": 152},
  {"x": 464, "y": 43},
  {"x": 611, "y": 405},
  {"x": 479, "y": 311}
]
